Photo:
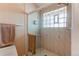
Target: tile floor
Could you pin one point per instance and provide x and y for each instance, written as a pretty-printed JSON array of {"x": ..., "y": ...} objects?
[
  {"x": 43, "y": 52},
  {"x": 11, "y": 51}
]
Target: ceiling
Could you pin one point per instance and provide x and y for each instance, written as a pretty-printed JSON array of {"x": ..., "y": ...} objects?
[
  {"x": 41, "y": 4},
  {"x": 29, "y": 7}
]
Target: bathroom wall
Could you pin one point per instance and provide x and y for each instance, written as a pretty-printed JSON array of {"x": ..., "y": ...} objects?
[
  {"x": 30, "y": 7},
  {"x": 57, "y": 40},
  {"x": 34, "y": 28},
  {"x": 75, "y": 30}
]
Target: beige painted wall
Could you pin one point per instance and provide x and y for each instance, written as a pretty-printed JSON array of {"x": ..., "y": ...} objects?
[{"x": 75, "y": 30}]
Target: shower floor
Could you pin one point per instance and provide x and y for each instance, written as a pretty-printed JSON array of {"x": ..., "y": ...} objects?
[{"x": 43, "y": 52}]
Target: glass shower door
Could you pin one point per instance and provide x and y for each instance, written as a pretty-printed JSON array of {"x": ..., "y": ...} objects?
[{"x": 33, "y": 34}]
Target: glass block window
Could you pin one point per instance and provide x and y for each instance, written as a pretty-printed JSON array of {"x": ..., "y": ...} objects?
[{"x": 56, "y": 18}]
